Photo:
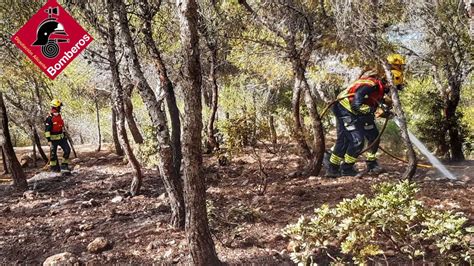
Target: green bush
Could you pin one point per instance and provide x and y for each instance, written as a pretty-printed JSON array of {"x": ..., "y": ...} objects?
[{"x": 363, "y": 228}]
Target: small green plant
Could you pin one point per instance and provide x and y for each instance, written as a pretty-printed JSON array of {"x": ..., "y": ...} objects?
[{"x": 363, "y": 228}]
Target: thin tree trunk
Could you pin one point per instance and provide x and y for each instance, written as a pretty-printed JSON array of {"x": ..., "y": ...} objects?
[
  {"x": 273, "y": 134},
  {"x": 316, "y": 162},
  {"x": 99, "y": 135},
  {"x": 34, "y": 149},
  {"x": 455, "y": 139},
  {"x": 166, "y": 84},
  {"x": 166, "y": 164},
  {"x": 295, "y": 106},
  {"x": 18, "y": 176},
  {"x": 132, "y": 125},
  {"x": 118, "y": 148},
  {"x": 212, "y": 143},
  {"x": 118, "y": 102},
  {"x": 71, "y": 143},
  {"x": 411, "y": 168},
  {"x": 38, "y": 145},
  {"x": 201, "y": 245},
  {"x": 4, "y": 161}
]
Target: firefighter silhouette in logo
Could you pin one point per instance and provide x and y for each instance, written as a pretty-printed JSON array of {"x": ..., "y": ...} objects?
[{"x": 50, "y": 32}]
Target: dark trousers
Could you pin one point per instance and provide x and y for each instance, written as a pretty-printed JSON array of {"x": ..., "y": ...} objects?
[
  {"x": 351, "y": 132},
  {"x": 54, "y": 151}
]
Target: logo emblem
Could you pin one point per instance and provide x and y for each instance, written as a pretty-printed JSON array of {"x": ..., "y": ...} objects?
[
  {"x": 52, "y": 39},
  {"x": 50, "y": 33}
]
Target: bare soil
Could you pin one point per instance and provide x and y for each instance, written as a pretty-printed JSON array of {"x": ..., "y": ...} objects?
[{"x": 62, "y": 214}]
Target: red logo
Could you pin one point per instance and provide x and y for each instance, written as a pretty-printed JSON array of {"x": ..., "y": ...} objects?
[{"x": 52, "y": 39}]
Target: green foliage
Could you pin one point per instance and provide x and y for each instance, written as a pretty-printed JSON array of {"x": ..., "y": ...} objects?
[
  {"x": 366, "y": 228},
  {"x": 147, "y": 152}
]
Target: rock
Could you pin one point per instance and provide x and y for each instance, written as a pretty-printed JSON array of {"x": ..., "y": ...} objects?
[
  {"x": 64, "y": 258},
  {"x": 68, "y": 231},
  {"x": 312, "y": 178},
  {"x": 29, "y": 195},
  {"x": 44, "y": 176},
  {"x": 76, "y": 167},
  {"x": 117, "y": 199},
  {"x": 98, "y": 245},
  {"x": 85, "y": 227},
  {"x": 75, "y": 161},
  {"x": 389, "y": 253}
]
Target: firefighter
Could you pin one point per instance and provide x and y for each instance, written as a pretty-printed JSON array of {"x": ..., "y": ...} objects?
[
  {"x": 54, "y": 132},
  {"x": 355, "y": 122}
]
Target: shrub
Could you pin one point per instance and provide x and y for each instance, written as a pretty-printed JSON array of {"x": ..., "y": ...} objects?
[{"x": 363, "y": 228}]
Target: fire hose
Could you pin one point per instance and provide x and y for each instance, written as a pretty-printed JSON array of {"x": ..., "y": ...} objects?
[{"x": 326, "y": 109}]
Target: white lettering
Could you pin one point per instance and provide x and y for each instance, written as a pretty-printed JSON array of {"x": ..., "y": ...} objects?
[
  {"x": 68, "y": 55},
  {"x": 51, "y": 71}
]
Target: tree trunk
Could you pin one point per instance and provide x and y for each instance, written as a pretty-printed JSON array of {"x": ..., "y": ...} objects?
[
  {"x": 4, "y": 161},
  {"x": 38, "y": 145},
  {"x": 271, "y": 124},
  {"x": 316, "y": 162},
  {"x": 99, "y": 135},
  {"x": 166, "y": 164},
  {"x": 34, "y": 149},
  {"x": 212, "y": 143},
  {"x": 166, "y": 84},
  {"x": 455, "y": 139},
  {"x": 18, "y": 176},
  {"x": 295, "y": 106},
  {"x": 118, "y": 102},
  {"x": 201, "y": 245},
  {"x": 118, "y": 148},
  {"x": 397, "y": 106},
  {"x": 132, "y": 125}
]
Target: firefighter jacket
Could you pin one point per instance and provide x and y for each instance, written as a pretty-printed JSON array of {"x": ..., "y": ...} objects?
[
  {"x": 363, "y": 96},
  {"x": 54, "y": 125}
]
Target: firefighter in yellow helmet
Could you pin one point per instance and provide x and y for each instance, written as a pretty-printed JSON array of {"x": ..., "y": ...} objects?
[
  {"x": 54, "y": 133},
  {"x": 397, "y": 65},
  {"x": 355, "y": 119}
]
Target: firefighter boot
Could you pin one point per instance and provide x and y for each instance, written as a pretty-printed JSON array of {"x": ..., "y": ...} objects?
[
  {"x": 54, "y": 168},
  {"x": 65, "y": 169},
  {"x": 348, "y": 169},
  {"x": 373, "y": 167},
  {"x": 332, "y": 170}
]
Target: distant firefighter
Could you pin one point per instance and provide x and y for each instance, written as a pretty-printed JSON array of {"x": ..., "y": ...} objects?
[{"x": 54, "y": 133}]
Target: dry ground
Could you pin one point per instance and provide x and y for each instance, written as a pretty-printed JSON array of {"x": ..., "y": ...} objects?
[{"x": 66, "y": 214}]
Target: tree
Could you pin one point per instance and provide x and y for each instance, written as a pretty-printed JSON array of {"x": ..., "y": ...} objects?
[
  {"x": 148, "y": 12},
  {"x": 158, "y": 117},
  {"x": 118, "y": 101},
  {"x": 198, "y": 234},
  {"x": 300, "y": 27},
  {"x": 448, "y": 56},
  {"x": 18, "y": 176}
]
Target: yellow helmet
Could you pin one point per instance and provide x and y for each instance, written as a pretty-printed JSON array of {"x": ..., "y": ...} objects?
[
  {"x": 396, "y": 59},
  {"x": 56, "y": 103}
]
